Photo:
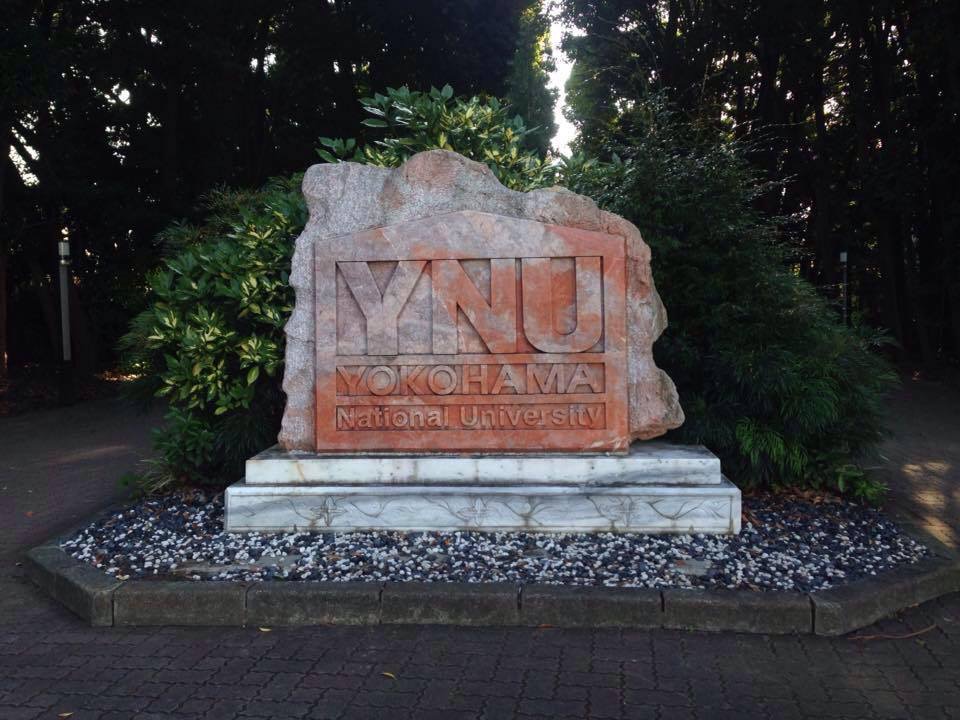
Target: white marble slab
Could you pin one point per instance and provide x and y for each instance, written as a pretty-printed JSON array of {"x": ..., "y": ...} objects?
[
  {"x": 550, "y": 508},
  {"x": 647, "y": 463}
]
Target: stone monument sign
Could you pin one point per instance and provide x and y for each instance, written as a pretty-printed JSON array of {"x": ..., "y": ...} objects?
[
  {"x": 464, "y": 355},
  {"x": 471, "y": 332}
]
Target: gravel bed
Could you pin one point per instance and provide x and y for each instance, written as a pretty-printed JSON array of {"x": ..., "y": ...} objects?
[{"x": 785, "y": 544}]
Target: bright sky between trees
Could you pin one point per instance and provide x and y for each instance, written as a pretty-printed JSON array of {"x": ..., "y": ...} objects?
[{"x": 566, "y": 132}]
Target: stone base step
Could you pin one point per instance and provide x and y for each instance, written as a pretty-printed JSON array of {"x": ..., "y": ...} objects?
[
  {"x": 534, "y": 508},
  {"x": 657, "y": 463}
]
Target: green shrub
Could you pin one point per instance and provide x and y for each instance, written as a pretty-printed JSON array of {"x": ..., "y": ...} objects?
[
  {"x": 478, "y": 128},
  {"x": 211, "y": 343},
  {"x": 768, "y": 377}
]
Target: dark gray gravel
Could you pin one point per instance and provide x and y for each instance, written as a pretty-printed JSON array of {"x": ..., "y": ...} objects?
[{"x": 785, "y": 544}]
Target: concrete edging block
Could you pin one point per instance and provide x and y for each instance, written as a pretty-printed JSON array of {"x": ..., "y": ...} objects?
[
  {"x": 148, "y": 602},
  {"x": 295, "y": 603},
  {"x": 774, "y": 613},
  {"x": 940, "y": 576},
  {"x": 88, "y": 592},
  {"x": 577, "y": 606},
  {"x": 843, "y": 609},
  {"x": 43, "y": 565},
  {"x": 450, "y": 604},
  {"x": 102, "y": 600},
  {"x": 83, "y": 589}
]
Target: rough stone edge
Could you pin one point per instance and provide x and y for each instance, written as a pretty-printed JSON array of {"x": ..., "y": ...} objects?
[
  {"x": 344, "y": 198},
  {"x": 90, "y": 593}
]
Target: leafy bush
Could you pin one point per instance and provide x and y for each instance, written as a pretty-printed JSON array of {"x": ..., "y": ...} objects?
[
  {"x": 768, "y": 377},
  {"x": 212, "y": 341},
  {"x": 478, "y": 128}
]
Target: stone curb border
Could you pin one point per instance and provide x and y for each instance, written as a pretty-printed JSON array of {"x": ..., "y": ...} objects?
[{"x": 103, "y": 601}]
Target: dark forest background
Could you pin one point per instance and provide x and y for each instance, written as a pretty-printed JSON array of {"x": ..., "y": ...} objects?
[
  {"x": 852, "y": 110},
  {"x": 122, "y": 115}
]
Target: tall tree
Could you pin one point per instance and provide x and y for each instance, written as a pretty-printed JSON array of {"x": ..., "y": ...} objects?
[
  {"x": 853, "y": 102},
  {"x": 528, "y": 90},
  {"x": 117, "y": 116}
]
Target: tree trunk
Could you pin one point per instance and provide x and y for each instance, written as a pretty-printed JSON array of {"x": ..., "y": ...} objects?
[
  {"x": 740, "y": 126},
  {"x": 768, "y": 56},
  {"x": 168, "y": 172},
  {"x": 894, "y": 228},
  {"x": 258, "y": 151},
  {"x": 935, "y": 264},
  {"x": 45, "y": 298},
  {"x": 823, "y": 241},
  {"x": 4, "y": 368},
  {"x": 84, "y": 343},
  {"x": 4, "y": 261},
  {"x": 346, "y": 81},
  {"x": 953, "y": 309}
]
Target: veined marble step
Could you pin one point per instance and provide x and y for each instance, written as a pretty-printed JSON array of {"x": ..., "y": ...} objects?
[
  {"x": 551, "y": 508},
  {"x": 647, "y": 463}
]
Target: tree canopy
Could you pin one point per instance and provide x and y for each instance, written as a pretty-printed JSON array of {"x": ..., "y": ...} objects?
[
  {"x": 120, "y": 115},
  {"x": 854, "y": 105}
]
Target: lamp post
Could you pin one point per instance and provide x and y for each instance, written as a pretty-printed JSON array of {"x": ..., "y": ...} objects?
[
  {"x": 843, "y": 285},
  {"x": 66, "y": 375}
]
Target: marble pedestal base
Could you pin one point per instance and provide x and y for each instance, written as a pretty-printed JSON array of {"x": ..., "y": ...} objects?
[{"x": 656, "y": 488}]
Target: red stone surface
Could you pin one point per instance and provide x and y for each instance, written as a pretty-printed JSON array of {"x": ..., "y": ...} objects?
[
  {"x": 470, "y": 332},
  {"x": 346, "y": 199}
]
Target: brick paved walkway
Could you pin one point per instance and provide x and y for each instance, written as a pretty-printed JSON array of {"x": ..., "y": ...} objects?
[
  {"x": 921, "y": 462},
  {"x": 50, "y": 663}
]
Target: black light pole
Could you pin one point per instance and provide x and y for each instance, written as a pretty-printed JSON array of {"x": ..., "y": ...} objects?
[
  {"x": 66, "y": 364},
  {"x": 843, "y": 286}
]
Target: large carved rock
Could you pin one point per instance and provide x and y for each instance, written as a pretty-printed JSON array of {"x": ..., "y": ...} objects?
[{"x": 436, "y": 310}]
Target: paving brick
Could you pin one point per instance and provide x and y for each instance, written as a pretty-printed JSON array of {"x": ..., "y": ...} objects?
[
  {"x": 656, "y": 697},
  {"x": 359, "y": 712},
  {"x": 589, "y": 679},
  {"x": 605, "y": 702},
  {"x": 225, "y": 709},
  {"x": 499, "y": 708},
  {"x": 445, "y": 696},
  {"x": 261, "y": 708},
  {"x": 126, "y": 703},
  {"x": 554, "y": 708},
  {"x": 19, "y": 713}
]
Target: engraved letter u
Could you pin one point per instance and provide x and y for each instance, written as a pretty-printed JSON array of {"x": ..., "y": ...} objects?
[{"x": 539, "y": 321}]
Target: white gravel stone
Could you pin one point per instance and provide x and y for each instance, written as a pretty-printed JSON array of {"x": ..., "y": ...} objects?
[{"x": 786, "y": 544}]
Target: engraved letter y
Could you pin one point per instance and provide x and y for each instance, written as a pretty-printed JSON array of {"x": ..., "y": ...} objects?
[{"x": 382, "y": 311}]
